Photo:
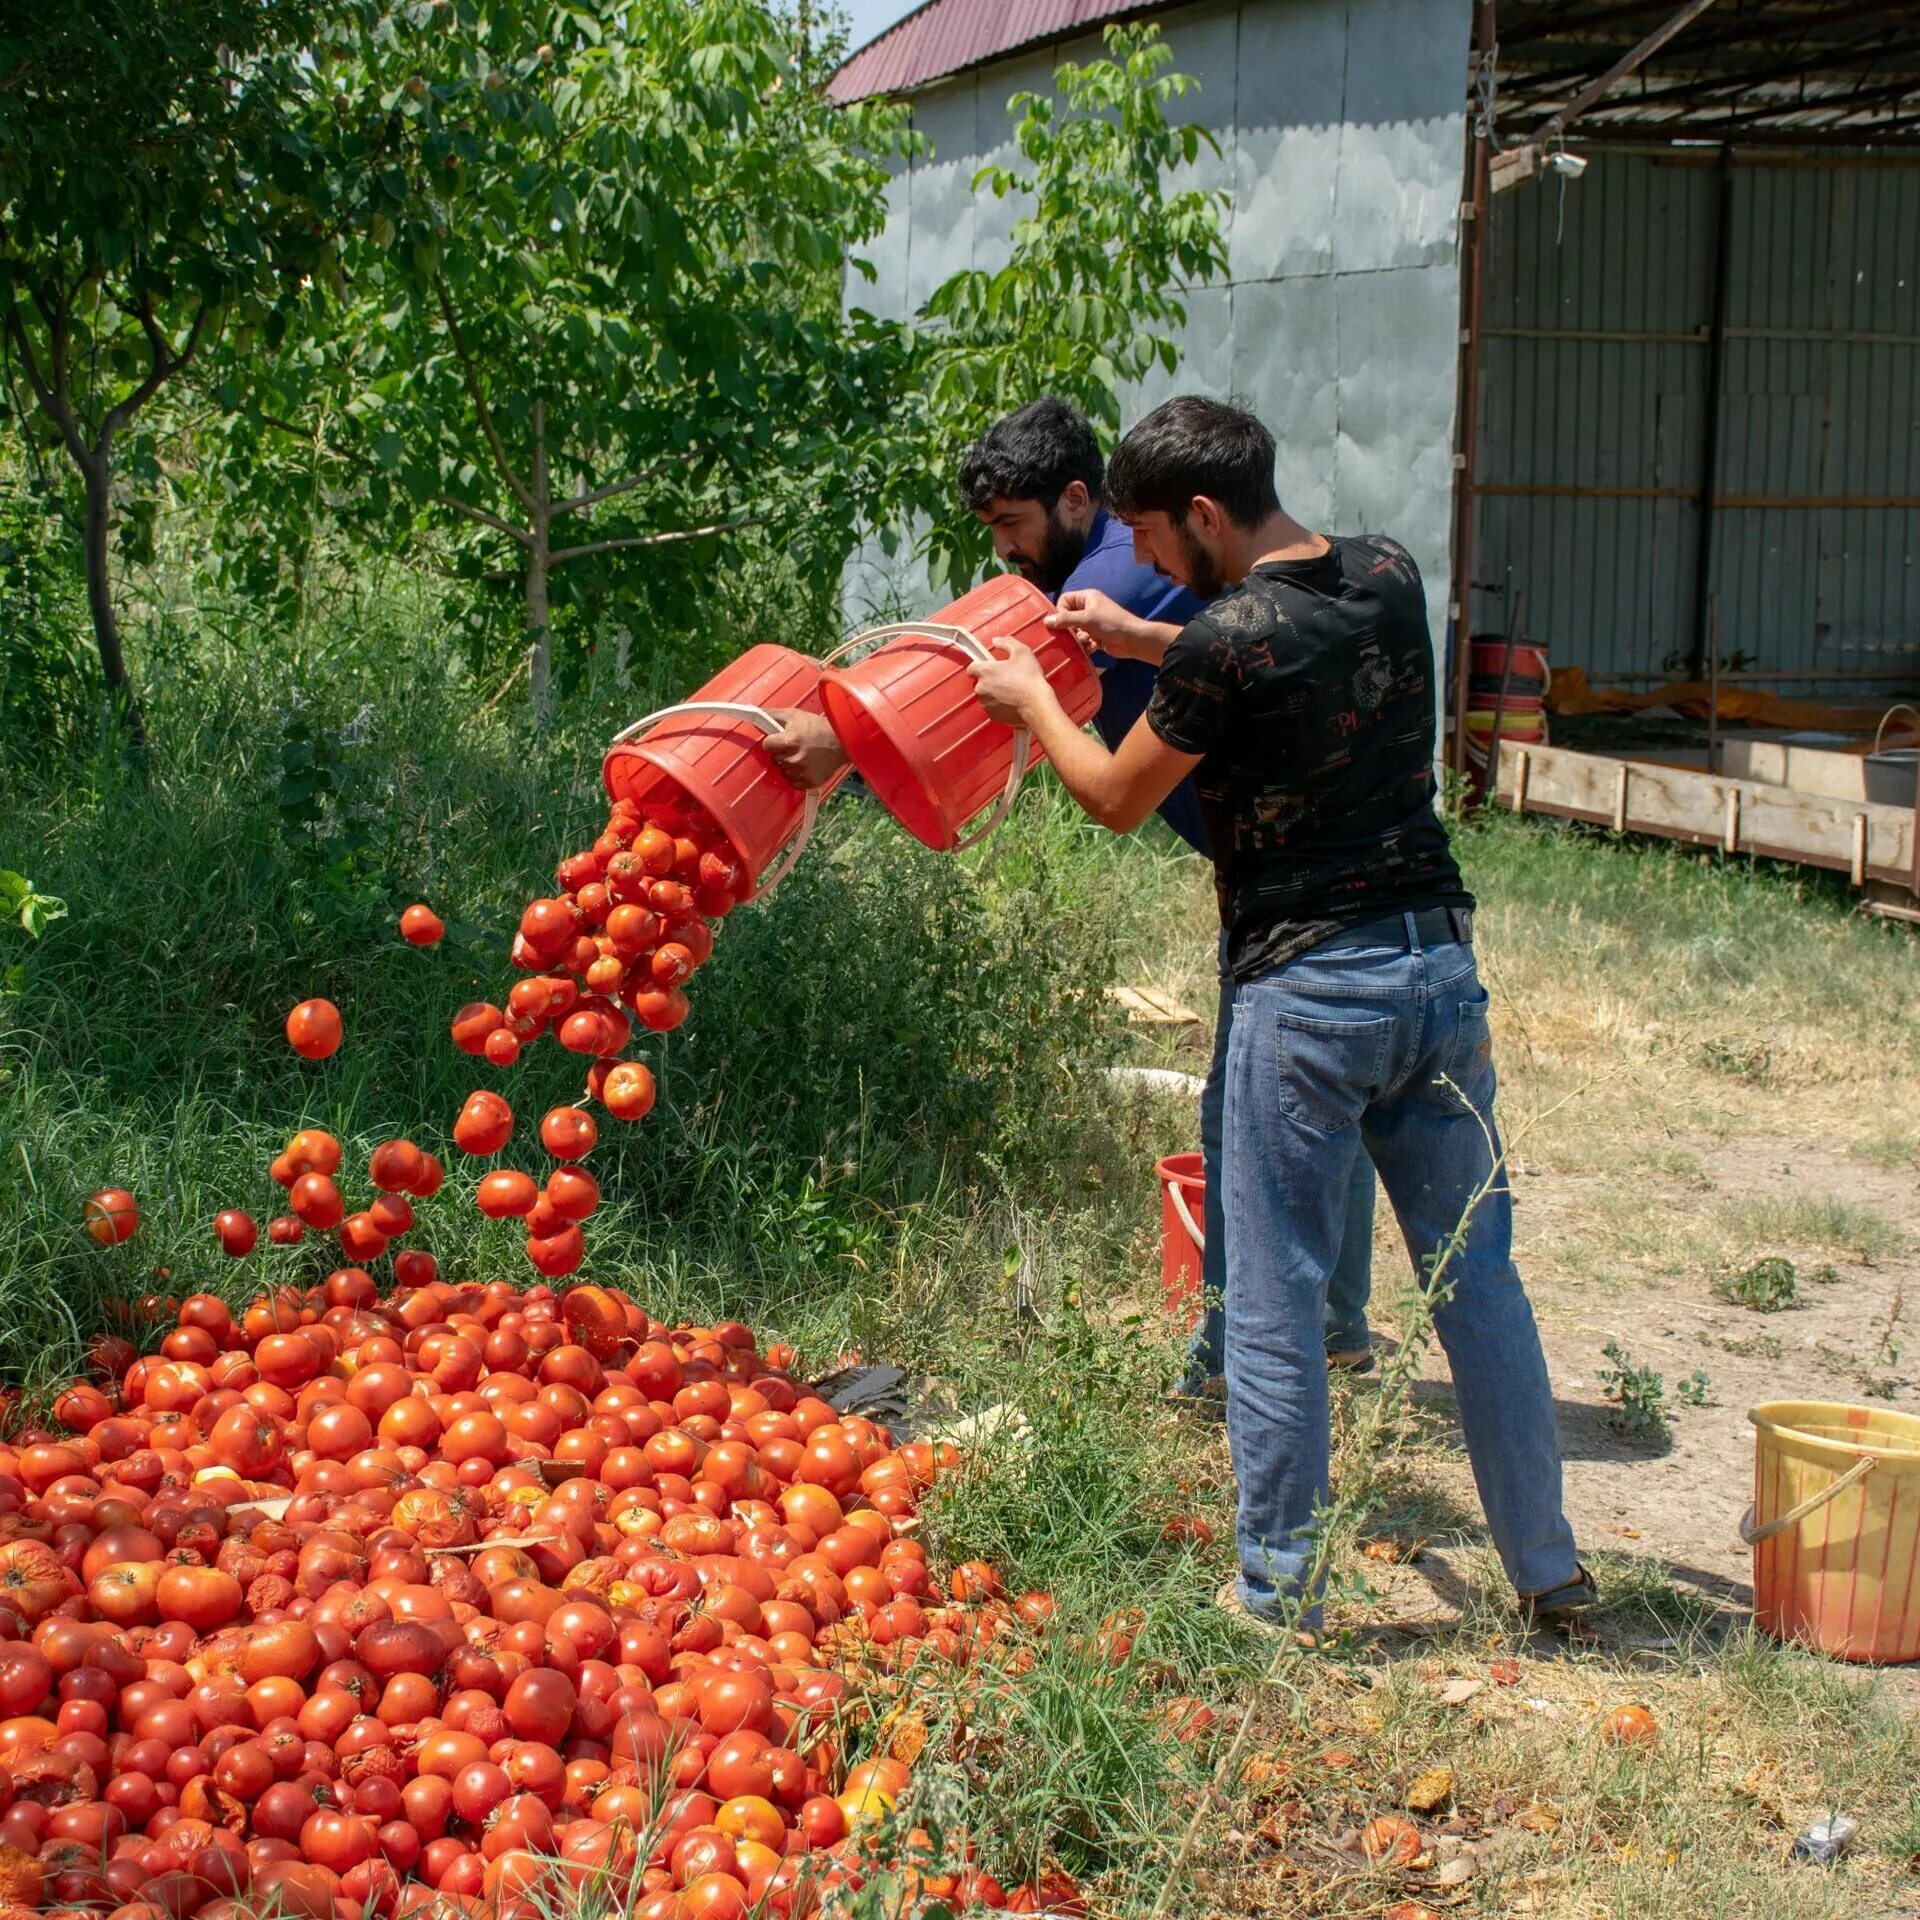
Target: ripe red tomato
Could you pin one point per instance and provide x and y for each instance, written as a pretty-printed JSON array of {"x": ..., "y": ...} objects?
[
  {"x": 314, "y": 1029},
  {"x": 660, "y": 1010},
  {"x": 558, "y": 1254},
  {"x": 568, "y": 1133},
  {"x": 313, "y": 1150},
  {"x": 361, "y": 1239},
  {"x": 235, "y": 1232},
  {"x": 415, "y": 1268},
  {"x": 502, "y": 1047},
  {"x": 473, "y": 1023},
  {"x": 112, "y": 1216},
  {"x": 317, "y": 1201},
  {"x": 286, "y": 1230},
  {"x": 395, "y": 1166},
  {"x": 420, "y": 926},
  {"x": 572, "y": 1192},
  {"x": 506, "y": 1194},
  {"x": 485, "y": 1124},
  {"x": 628, "y": 1091}
]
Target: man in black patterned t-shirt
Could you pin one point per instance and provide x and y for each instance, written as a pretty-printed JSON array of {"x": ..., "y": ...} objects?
[{"x": 1302, "y": 701}]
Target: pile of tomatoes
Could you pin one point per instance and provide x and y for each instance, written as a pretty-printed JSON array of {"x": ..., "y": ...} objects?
[{"x": 454, "y": 1602}]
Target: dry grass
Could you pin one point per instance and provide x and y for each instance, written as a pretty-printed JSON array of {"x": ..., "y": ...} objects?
[{"x": 1702, "y": 1064}]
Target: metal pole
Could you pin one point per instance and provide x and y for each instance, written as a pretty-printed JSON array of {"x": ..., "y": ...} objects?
[
  {"x": 1473, "y": 274},
  {"x": 1713, "y": 685},
  {"x": 1710, "y": 425},
  {"x": 1628, "y": 63}
]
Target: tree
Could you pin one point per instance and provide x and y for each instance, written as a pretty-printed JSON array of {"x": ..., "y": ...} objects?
[
  {"x": 157, "y": 186},
  {"x": 595, "y": 300},
  {"x": 1090, "y": 295}
]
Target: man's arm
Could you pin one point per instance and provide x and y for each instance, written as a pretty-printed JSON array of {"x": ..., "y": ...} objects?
[
  {"x": 1118, "y": 790},
  {"x": 1096, "y": 619}
]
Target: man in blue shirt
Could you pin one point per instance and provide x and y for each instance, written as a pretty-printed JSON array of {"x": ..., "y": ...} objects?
[{"x": 1033, "y": 479}]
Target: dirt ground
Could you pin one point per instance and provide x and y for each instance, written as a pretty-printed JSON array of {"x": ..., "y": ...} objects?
[{"x": 1678, "y": 1501}]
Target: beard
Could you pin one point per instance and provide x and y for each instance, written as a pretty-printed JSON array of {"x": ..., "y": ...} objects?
[
  {"x": 1203, "y": 576},
  {"x": 1060, "y": 552}
]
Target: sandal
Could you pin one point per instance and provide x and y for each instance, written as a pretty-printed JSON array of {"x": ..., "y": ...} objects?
[{"x": 1562, "y": 1604}]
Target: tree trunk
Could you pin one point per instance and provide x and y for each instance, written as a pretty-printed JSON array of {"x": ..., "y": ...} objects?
[
  {"x": 539, "y": 656},
  {"x": 540, "y": 525},
  {"x": 98, "y": 474}
]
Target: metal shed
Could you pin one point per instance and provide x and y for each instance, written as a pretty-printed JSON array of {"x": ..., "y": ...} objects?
[
  {"x": 1341, "y": 125},
  {"x": 1658, "y": 404}
]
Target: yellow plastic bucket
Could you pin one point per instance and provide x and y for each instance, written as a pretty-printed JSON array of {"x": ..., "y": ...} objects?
[{"x": 1835, "y": 1528}]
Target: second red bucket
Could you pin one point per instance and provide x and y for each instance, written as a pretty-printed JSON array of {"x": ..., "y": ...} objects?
[
  {"x": 712, "y": 748},
  {"x": 1183, "y": 1234},
  {"x": 912, "y": 724}
]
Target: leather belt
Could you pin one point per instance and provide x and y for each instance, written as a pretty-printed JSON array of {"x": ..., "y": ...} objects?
[{"x": 1432, "y": 927}]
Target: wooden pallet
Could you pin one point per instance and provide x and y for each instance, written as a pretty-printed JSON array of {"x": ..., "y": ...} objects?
[{"x": 1863, "y": 839}]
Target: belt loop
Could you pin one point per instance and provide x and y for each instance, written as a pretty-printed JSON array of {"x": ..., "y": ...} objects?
[{"x": 1413, "y": 931}]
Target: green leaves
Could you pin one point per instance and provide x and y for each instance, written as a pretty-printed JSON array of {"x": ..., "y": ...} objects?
[
  {"x": 20, "y": 902},
  {"x": 1091, "y": 294}
]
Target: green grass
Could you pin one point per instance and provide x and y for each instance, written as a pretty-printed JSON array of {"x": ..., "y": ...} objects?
[{"x": 884, "y": 1126}]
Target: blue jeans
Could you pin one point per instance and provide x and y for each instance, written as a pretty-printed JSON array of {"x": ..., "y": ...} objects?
[
  {"x": 1364, "y": 1046},
  {"x": 1348, "y": 1286}
]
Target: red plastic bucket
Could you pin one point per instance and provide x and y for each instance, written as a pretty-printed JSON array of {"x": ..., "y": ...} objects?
[
  {"x": 912, "y": 724},
  {"x": 712, "y": 749},
  {"x": 1183, "y": 1233}
]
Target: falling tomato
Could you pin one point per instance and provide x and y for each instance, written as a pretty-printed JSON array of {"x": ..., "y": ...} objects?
[
  {"x": 112, "y": 1216},
  {"x": 420, "y": 926},
  {"x": 568, "y": 1133},
  {"x": 235, "y": 1232},
  {"x": 314, "y": 1030}
]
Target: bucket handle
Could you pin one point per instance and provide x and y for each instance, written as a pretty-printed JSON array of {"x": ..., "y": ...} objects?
[
  {"x": 755, "y": 716},
  {"x": 968, "y": 642},
  {"x": 1880, "y": 732},
  {"x": 1753, "y": 1535},
  {"x": 1177, "y": 1194}
]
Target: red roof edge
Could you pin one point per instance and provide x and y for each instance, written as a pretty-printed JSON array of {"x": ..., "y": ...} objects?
[{"x": 941, "y": 38}]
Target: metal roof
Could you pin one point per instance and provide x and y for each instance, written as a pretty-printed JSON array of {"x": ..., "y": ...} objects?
[
  {"x": 1753, "y": 72},
  {"x": 944, "y": 37}
]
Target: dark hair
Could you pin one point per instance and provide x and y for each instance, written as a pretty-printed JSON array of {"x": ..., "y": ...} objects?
[
  {"x": 1192, "y": 446},
  {"x": 1034, "y": 454}
]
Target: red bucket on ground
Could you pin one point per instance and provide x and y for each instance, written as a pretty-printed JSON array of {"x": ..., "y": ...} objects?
[
  {"x": 711, "y": 750},
  {"x": 912, "y": 724},
  {"x": 1183, "y": 1233}
]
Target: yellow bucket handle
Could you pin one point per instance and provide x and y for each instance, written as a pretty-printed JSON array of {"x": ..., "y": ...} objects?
[{"x": 1753, "y": 1535}]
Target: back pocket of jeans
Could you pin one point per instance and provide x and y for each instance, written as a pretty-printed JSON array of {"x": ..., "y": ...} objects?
[
  {"x": 1329, "y": 1069},
  {"x": 1468, "y": 1058}
]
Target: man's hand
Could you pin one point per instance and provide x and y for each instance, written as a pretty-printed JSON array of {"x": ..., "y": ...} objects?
[
  {"x": 1012, "y": 684},
  {"x": 806, "y": 749},
  {"x": 1096, "y": 619}
]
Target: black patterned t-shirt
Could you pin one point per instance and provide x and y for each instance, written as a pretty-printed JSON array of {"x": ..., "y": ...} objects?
[{"x": 1309, "y": 690}]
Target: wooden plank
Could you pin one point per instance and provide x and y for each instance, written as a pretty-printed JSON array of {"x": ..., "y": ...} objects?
[
  {"x": 1884, "y": 779},
  {"x": 1152, "y": 1007},
  {"x": 1863, "y": 841}
]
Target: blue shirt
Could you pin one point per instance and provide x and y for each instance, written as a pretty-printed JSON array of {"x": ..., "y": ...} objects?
[{"x": 1127, "y": 685}]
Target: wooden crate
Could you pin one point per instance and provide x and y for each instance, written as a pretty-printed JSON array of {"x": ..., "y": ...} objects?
[{"x": 1862, "y": 838}]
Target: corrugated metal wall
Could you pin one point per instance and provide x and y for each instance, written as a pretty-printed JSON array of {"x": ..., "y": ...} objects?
[
  {"x": 1598, "y": 306},
  {"x": 1341, "y": 125}
]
